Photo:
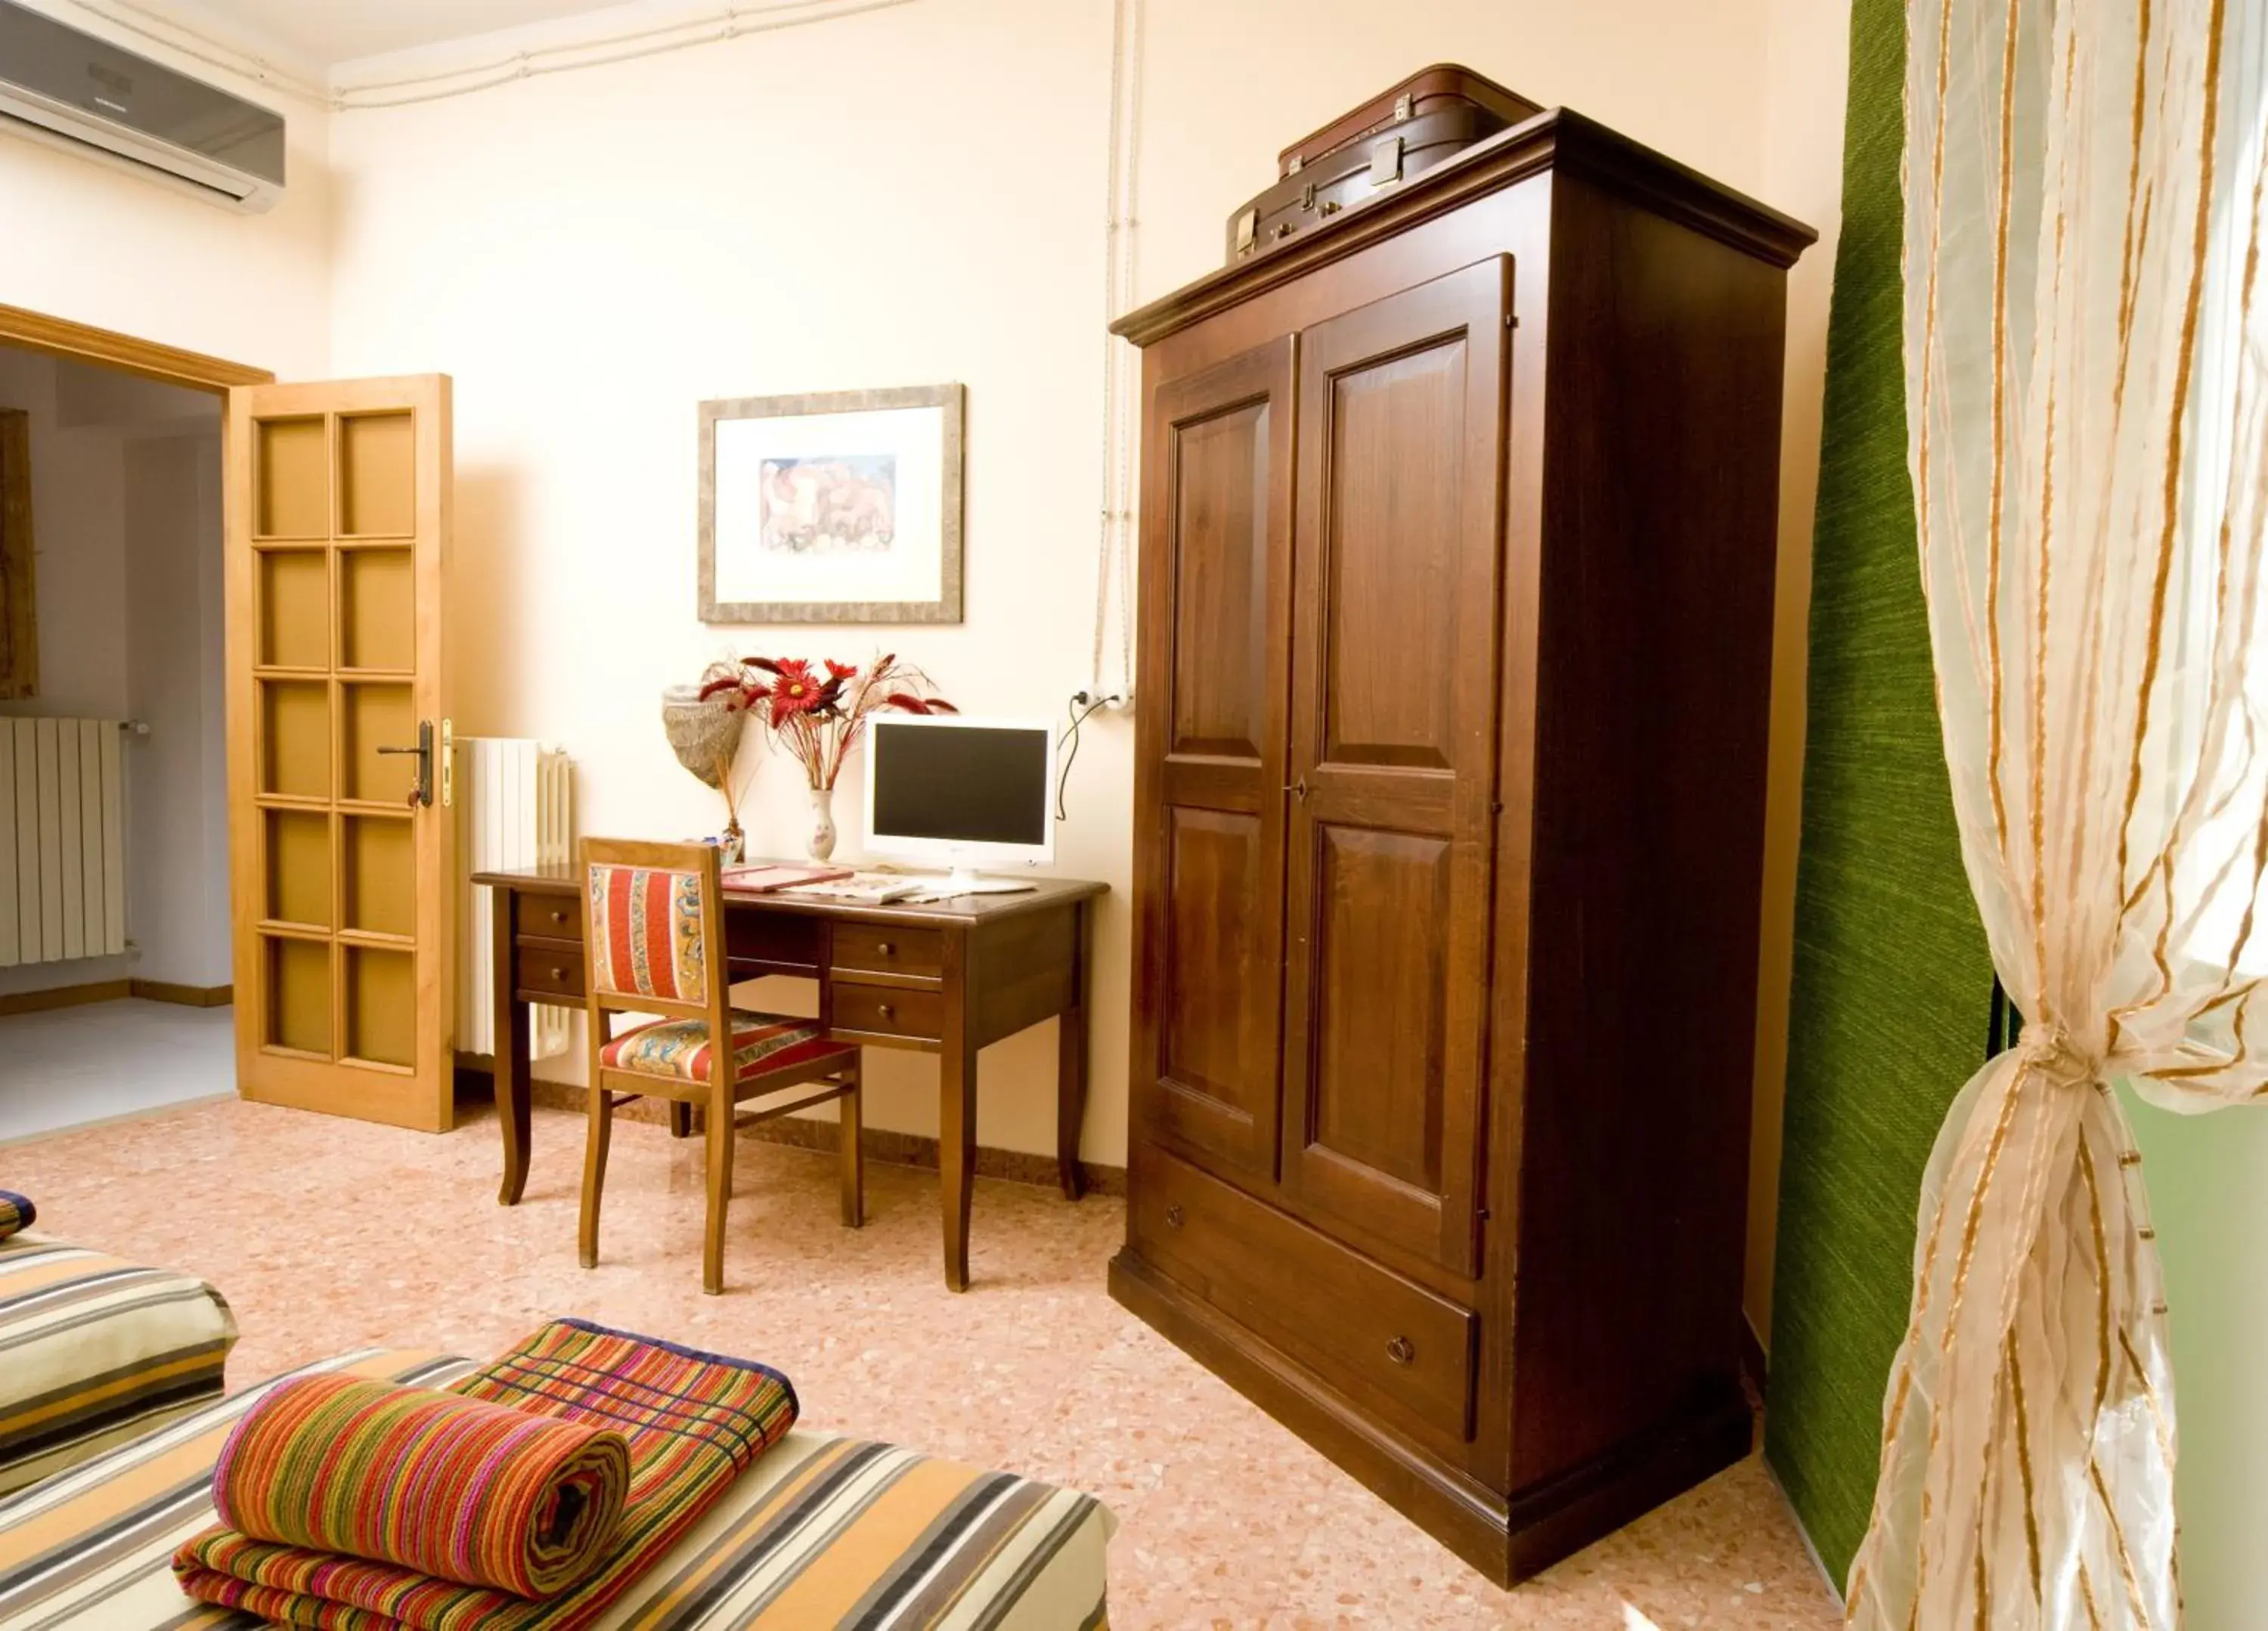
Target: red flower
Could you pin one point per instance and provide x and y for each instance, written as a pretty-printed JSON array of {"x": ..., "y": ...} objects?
[
  {"x": 841, "y": 671},
  {"x": 796, "y": 691}
]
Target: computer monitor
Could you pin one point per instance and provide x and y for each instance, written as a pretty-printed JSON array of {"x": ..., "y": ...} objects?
[{"x": 961, "y": 793}]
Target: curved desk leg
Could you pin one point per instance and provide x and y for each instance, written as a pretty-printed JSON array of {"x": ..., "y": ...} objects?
[{"x": 511, "y": 1056}]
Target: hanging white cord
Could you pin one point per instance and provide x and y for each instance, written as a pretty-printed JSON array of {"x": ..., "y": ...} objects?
[
  {"x": 1106, "y": 533},
  {"x": 1129, "y": 408},
  {"x": 712, "y": 28},
  {"x": 1121, "y": 382}
]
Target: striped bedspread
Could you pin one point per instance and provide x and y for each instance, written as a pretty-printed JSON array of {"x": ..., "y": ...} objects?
[
  {"x": 95, "y": 1350},
  {"x": 822, "y": 1532}
]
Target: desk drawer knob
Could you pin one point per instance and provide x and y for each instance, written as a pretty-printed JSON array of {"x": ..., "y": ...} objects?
[
  {"x": 558, "y": 916},
  {"x": 1401, "y": 1350},
  {"x": 1173, "y": 1216},
  {"x": 559, "y": 974},
  {"x": 887, "y": 948},
  {"x": 886, "y": 1010}
]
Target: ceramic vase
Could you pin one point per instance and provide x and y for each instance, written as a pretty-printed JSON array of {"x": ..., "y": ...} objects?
[{"x": 821, "y": 844}]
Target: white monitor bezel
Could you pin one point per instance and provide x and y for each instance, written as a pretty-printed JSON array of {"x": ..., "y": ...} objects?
[{"x": 956, "y": 856}]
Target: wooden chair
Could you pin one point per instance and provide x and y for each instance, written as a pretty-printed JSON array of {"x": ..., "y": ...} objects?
[{"x": 653, "y": 930}]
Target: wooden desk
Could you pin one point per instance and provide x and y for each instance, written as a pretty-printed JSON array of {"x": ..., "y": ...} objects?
[{"x": 946, "y": 978}]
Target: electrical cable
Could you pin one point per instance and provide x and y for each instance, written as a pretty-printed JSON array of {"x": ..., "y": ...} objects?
[
  {"x": 731, "y": 23},
  {"x": 1094, "y": 705}
]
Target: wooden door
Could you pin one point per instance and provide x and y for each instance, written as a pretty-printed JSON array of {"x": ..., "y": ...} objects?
[
  {"x": 341, "y": 840},
  {"x": 1216, "y": 630},
  {"x": 1393, "y": 760}
]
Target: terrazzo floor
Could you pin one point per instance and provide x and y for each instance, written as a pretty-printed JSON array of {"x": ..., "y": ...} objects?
[{"x": 328, "y": 1235}]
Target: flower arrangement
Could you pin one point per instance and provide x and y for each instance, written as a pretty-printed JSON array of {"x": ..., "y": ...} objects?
[{"x": 819, "y": 713}]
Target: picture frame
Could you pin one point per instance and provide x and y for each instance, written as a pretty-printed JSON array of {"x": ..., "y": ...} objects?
[{"x": 833, "y": 507}]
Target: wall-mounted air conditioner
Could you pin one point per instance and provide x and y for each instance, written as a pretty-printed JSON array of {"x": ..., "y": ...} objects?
[{"x": 68, "y": 90}]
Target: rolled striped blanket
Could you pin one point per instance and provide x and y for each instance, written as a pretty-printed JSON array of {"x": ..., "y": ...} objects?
[
  {"x": 693, "y": 1423},
  {"x": 478, "y": 1493},
  {"x": 16, "y": 1212}
]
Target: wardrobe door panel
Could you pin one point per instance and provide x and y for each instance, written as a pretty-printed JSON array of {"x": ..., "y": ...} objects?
[
  {"x": 1216, "y": 628},
  {"x": 1393, "y": 760}
]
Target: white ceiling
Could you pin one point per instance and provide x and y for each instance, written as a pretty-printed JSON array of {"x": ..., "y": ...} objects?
[{"x": 330, "y": 32}]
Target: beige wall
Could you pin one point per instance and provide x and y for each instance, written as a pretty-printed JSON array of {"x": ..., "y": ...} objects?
[
  {"x": 593, "y": 254},
  {"x": 1806, "y": 94}
]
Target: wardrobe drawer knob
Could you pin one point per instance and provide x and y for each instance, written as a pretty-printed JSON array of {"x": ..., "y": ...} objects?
[
  {"x": 1173, "y": 1216},
  {"x": 1401, "y": 1351},
  {"x": 887, "y": 948},
  {"x": 558, "y": 916},
  {"x": 886, "y": 1010},
  {"x": 559, "y": 974}
]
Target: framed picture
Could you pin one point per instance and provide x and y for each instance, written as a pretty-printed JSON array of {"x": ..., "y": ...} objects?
[{"x": 841, "y": 507}]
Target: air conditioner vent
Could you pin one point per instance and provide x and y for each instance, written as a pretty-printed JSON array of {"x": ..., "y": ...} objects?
[{"x": 67, "y": 89}]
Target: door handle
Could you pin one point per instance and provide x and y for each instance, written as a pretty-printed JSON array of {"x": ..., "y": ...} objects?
[{"x": 421, "y": 791}]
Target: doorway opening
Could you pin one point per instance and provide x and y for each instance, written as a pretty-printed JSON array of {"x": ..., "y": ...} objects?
[{"x": 114, "y": 908}]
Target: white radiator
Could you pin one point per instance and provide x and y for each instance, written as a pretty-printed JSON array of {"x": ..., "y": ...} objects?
[
  {"x": 513, "y": 810},
  {"x": 63, "y": 841}
]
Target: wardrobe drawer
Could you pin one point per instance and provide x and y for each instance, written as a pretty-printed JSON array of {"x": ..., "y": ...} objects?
[
  {"x": 889, "y": 1010},
  {"x": 550, "y": 917},
  {"x": 1364, "y": 1329},
  {"x": 872, "y": 949},
  {"x": 550, "y": 966}
]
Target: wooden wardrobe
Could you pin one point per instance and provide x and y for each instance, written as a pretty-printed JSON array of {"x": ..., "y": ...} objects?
[{"x": 1458, "y": 527}]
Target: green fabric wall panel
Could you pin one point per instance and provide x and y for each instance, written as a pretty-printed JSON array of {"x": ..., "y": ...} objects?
[{"x": 1892, "y": 976}]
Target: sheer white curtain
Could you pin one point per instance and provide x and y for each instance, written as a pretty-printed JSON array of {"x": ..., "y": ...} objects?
[{"x": 2086, "y": 351}]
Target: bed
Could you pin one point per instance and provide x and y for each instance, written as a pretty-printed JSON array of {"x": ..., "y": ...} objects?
[
  {"x": 823, "y": 1532},
  {"x": 96, "y": 1351}
]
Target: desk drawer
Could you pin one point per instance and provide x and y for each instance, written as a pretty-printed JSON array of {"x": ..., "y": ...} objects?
[
  {"x": 1363, "y": 1328},
  {"x": 548, "y": 917},
  {"x": 889, "y": 1010},
  {"x": 873, "y": 948},
  {"x": 550, "y": 966}
]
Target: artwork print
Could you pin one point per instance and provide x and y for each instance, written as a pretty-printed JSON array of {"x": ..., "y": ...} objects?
[
  {"x": 837, "y": 508},
  {"x": 817, "y": 505}
]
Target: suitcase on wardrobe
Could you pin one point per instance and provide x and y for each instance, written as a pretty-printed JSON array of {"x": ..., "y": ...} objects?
[{"x": 1406, "y": 131}]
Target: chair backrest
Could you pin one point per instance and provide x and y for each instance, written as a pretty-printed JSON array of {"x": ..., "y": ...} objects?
[{"x": 652, "y": 925}]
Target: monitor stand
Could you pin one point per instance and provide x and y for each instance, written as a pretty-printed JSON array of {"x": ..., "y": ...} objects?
[{"x": 963, "y": 880}]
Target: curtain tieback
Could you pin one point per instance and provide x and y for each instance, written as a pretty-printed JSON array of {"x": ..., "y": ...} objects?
[{"x": 2047, "y": 1051}]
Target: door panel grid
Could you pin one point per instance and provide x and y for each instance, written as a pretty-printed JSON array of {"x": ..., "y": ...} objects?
[{"x": 341, "y": 498}]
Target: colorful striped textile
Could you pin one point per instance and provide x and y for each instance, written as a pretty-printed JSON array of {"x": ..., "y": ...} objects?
[
  {"x": 95, "y": 1350},
  {"x": 761, "y": 1043},
  {"x": 645, "y": 934},
  {"x": 823, "y": 1532},
  {"x": 693, "y": 1422},
  {"x": 16, "y": 1212},
  {"x": 478, "y": 1493}
]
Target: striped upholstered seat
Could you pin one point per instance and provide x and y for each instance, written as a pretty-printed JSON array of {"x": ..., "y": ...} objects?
[
  {"x": 95, "y": 1350},
  {"x": 762, "y": 1044},
  {"x": 819, "y": 1532}
]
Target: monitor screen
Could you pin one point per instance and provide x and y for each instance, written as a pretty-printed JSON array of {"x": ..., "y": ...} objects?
[{"x": 960, "y": 784}]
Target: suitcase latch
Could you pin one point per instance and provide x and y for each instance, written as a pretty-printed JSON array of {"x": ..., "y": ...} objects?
[
  {"x": 1298, "y": 162},
  {"x": 1248, "y": 230},
  {"x": 1404, "y": 106},
  {"x": 1308, "y": 197},
  {"x": 1386, "y": 162}
]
